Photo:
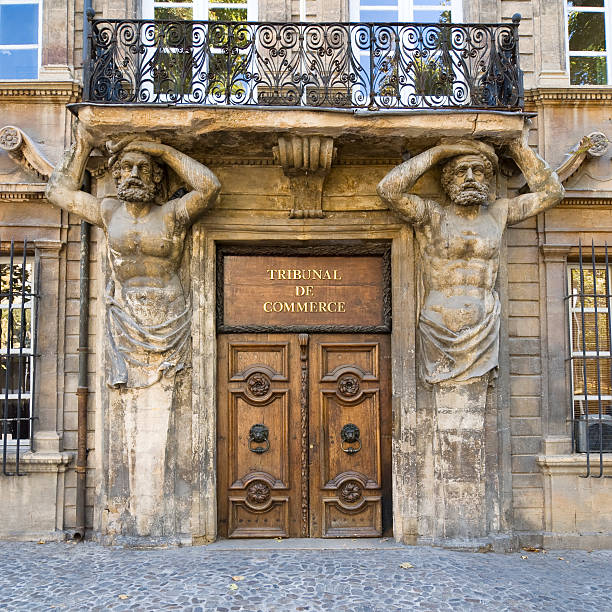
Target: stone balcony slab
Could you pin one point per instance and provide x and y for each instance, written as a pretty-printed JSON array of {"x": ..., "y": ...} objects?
[{"x": 252, "y": 132}]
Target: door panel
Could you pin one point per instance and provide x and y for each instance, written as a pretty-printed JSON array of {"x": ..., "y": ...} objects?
[
  {"x": 349, "y": 434},
  {"x": 304, "y": 435},
  {"x": 259, "y": 434}
]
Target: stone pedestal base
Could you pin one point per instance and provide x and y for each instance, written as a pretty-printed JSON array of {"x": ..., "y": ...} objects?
[
  {"x": 459, "y": 460},
  {"x": 147, "y": 493}
]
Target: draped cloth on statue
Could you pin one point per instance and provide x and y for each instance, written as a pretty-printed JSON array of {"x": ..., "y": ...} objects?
[
  {"x": 459, "y": 356},
  {"x": 146, "y": 343}
]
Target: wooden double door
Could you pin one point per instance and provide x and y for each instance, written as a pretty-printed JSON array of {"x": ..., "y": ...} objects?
[{"x": 304, "y": 435}]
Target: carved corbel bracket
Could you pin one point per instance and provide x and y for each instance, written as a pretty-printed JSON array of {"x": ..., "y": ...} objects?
[
  {"x": 24, "y": 152},
  {"x": 306, "y": 161},
  {"x": 592, "y": 145}
]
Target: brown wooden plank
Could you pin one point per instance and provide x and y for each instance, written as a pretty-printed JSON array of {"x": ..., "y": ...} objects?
[
  {"x": 350, "y": 385},
  {"x": 258, "y": 385}
]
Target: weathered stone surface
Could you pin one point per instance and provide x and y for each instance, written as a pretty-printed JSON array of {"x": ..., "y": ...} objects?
[
  {"x": 220, "y": 131},
  {"x": 459, "y": 239},
  {"x": 146, "y": 489}
]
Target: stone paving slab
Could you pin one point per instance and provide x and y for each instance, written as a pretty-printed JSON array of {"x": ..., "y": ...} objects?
[{"x": 88, "y": 576}]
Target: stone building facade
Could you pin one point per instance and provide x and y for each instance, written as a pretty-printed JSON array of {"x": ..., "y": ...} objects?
[{"x": 295, "y": 188}]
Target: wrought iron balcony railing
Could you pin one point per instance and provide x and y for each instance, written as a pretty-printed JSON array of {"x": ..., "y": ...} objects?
[{"x": 330, "y": 65}]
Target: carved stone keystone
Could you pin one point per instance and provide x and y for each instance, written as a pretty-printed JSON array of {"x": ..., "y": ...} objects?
[{"x": 306, "y": 161}]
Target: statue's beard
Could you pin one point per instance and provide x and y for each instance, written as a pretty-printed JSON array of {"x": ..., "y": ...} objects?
[
  {"x": 468, "y": 194},
  {"x": 133, "y": 190}
]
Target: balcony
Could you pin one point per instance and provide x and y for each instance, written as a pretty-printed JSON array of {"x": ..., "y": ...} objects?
[{"x": 350, "y": 66}]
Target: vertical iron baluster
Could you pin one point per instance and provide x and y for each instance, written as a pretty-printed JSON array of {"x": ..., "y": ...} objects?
[
  {"x": 609, "y": 321},
  {"x": 518, "y": 73},
  {"x": 303, "y": 63},
  {"x": 597, "y": 357},
  {"x": 33, "y": 346},
  {"x": 570, "y": 306},
  {"x": 88, "y": 48},
  {"x": 21, "y": 338},
  {"x": 372, "y": 105},
  {"x": 584, "y": 372},
  {"x": 7, "y": 377},
  {"x": 229, "y": 64}
]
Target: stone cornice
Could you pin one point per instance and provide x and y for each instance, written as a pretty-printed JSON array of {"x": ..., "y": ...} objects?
[
  {"x": 27, "y": 92},
  {"x": 215, "y": 162},
  {"x": 21, "y": 192},
  {"x": 556, "y": 96},
  {"x": 585, "y": 202}
]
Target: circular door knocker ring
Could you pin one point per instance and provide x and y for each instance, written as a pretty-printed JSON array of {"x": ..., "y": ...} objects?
[
  {"x": 258, "y": 434},
  {"x": 350, "y": 435}
]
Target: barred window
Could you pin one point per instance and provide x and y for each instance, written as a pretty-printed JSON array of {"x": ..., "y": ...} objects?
[
  {"x": 590, "y": 334},
  {"x": 17, "y": 342}
]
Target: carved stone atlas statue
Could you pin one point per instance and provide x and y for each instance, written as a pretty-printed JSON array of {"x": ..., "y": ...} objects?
[
  {"x": 459, "y": 240},
  {"x": 148, "y": 314}
]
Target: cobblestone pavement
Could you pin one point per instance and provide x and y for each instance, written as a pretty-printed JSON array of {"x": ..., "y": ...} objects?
[{"x": 88, "y": 576}]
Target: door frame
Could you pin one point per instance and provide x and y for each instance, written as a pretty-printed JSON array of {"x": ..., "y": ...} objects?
[{"x": 275, "y": 234}]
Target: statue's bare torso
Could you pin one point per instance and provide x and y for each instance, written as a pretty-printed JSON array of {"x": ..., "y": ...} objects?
[
  {"x": 460, "y": 259},
  {"x": 459, "y": 240},
  {"x": 145, "y": 253}
]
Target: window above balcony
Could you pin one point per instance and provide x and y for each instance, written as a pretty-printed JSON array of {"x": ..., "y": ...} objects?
[
  {"x": 416, "y": 11},
  {"x": 200, "y": 10},
  {"x": 589, "y": 28}
]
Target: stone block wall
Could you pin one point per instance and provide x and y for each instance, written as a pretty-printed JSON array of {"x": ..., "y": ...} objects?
[
  {"x": 523, "y": 311},
  {"x": 71, "y": 365}
]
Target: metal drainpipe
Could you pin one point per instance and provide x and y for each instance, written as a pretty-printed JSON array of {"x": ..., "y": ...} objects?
[{"x": 82, "y": 389}]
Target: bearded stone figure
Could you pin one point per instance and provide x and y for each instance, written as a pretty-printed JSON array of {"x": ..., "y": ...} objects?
[
  {"x": 459, "y": 240},
  {"x": 148, "y": 314},
  {"x": 146, "y": 407}
]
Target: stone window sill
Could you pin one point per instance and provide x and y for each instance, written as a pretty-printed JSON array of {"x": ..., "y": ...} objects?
[
  {"x": 573, "y": 464},
  {"x": 35, "y": 462}
]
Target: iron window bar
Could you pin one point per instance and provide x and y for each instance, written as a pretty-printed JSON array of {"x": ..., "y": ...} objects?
[
  {"x": 591, "y": 434},
  {"x": 372, "y": 66},
  {"x": 17, "y": 302}
]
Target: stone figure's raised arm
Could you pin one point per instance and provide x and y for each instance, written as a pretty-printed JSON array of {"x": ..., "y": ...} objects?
[
  {"x": 64, "y": 186},
  {"x": 544, "y": 183},
  {"x": 394, "y": 188},
  {"x": 204, "y": 184}
]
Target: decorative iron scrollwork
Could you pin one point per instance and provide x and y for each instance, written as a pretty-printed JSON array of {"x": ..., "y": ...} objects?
[
  {"x": 350, "y": 435},
  {"x": 258, "y": 492},
  {"x": 348, "y": 385},
  {"x": 350, "y": 492},
  {"x": 258, "y": 384},
  {"x": 412, "y": 65},
  {"x": 258, "y": 434}
]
